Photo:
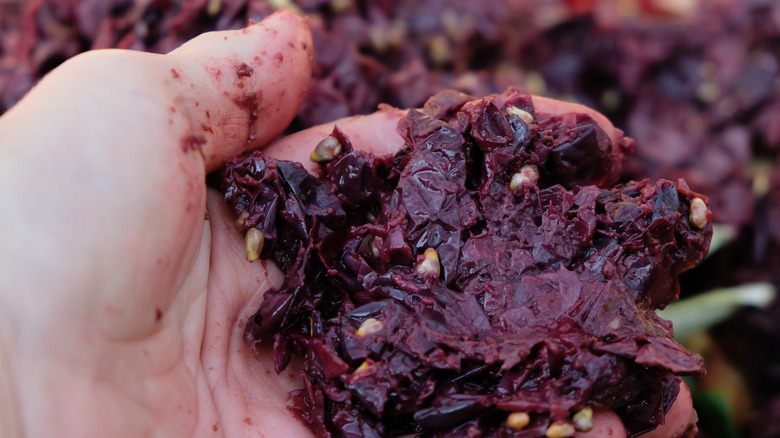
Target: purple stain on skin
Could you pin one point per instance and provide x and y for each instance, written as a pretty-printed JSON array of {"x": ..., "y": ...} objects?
[
  {"x": 244, "y": 70},
  {"x": 251, "y": 103},
  {"x": 435, "y": 291}
]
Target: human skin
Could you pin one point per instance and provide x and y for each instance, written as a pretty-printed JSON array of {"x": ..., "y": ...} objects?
[{"x": 123, "y": 285}]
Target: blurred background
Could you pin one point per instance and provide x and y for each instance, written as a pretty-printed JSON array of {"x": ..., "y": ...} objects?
[{"x": 695, "y": 82}]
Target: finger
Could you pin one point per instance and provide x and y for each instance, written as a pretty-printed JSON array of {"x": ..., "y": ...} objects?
[
  {"x": 375, "y": 133},
  {"x": 237, "y": 93},
  {"x": 680, "y": 418},
  {"x": 544, "y": 105}
]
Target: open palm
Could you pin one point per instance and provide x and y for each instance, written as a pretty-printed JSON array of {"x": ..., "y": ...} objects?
[{"x": 123, "y": 286}]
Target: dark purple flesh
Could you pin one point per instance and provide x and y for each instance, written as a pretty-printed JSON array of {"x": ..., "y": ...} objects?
[{"x": 546, "y": 296}]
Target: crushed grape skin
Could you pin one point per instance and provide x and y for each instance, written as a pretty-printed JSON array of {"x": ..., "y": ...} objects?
[{"x": 546, "y": 296}]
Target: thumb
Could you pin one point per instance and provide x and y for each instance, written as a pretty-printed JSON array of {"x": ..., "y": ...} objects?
[
  {"x": 113, "y": 133},
  {"x": 239, "y": 95}
]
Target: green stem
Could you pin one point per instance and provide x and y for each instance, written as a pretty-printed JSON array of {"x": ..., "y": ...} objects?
[{"x": 705, "y": 310}]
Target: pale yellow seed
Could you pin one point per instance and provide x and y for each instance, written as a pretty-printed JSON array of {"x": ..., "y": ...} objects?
[
  {"x": 214, "y": 7},
  {"x": 516, "y": 182},
  {"x": 610, "y": 99},
  {"x": 698, "y": 213},
  {"x": 535, "y": 83},
  {"x": 583, "y": 420},
  {"x": 285, "y": 4},
  {"x": 378, "y": 38},
  {"x": 326, "y": 150},
  {"x": 559, "y": 430},
  {"x": 518, "y": 420},
  {"x": 430, "y": 263},
  {"x": 339, "y": 6},
  {"x": 397, "y": 33},
  {"x": 363, "y": 366},
  {"x": 376, "y": 246},
  {"x": 241, "y": 221},
  {"x": 525, "y": 116},
  {"x": 708, "y": 91},
  {"x": 254, "y": 244},
  {"x": 369, "y": 327},
  {"x": 526, "y": 177},
  {"x": 761, "y": 170},
  {"x": 439, "y": 49}
]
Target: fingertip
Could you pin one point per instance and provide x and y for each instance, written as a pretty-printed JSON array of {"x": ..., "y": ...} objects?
[
  {"x": 680, "y": 419},
  {"x": 544, "y": 105},
  {"x": 240, "y": 89}
]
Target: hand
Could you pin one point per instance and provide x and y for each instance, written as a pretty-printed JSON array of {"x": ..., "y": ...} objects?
[{"x": 123, "y": 285}]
